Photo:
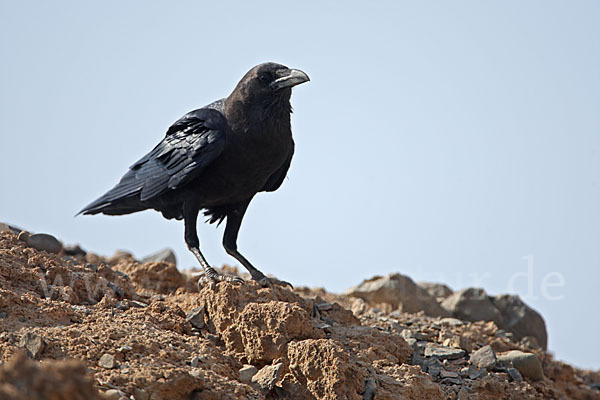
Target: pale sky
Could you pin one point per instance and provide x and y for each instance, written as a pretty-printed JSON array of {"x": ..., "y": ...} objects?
[{"x": 456, "y": 142}]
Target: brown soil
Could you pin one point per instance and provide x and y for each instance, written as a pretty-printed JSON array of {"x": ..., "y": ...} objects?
[{"x": 85, "y": 327}]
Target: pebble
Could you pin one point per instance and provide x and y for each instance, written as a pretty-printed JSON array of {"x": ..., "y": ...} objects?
[
  {"x": 451, "y": 381},
  {"x": 44, "y": 242},
  {"x": 113, "y": 394},
  {"x": 196, "y": 317},
  {"x": 484, "y": 358},
  {"x": 514, "y": 374},
  {"x": 166, "y": 255},
  {"x": 472, "y": 372},
  {"x": 324, "y": 306},
  {"x": 195, "y": 361},
  {"x": 137, "y": 304},
  {"x": 370, "y": 388},
  {"x": 528, "y": 364},
  {"x": 443, "y": 353},
  {"x": 3, "y": 315},
  {"x": 34, "y": 344},
  {"x": 247, "y": 372},
  {"x": 267, "y": 376},
  {"x": 107, "y": 361},
  {"x": 449, "y": 321},
  {"x": 448, "y": 374}
]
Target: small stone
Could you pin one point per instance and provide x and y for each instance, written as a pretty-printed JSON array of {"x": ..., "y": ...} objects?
[
  {"x": 141, "y": 394},
  {"x": 137, "y": 304},
  {"x": 472, "y": 304},
  {"x": 195, "y": 361},
  {"x": 122, "y": 305},
  {"x": 324, "y": 306},
  {"x": 44, "y": 242},
  {"x": 449, "y": 321},
  {"x": 107, "y": 361},
  {"x": 484, "y": 358},
  {"x": 166, "y": 255},
  {"x": 268, "y": 376},
  {"x": 113, "y": 394},
  {"x": 7, "y": 228},
  {"x": 443, "y": 353},
  {"x": 157, "y": 297},
  {"x": 451, "y": 381},
  {"x": 3, "y": 315},
  {"x": 528, "y": 364},
  {"x": 196, "y": 317},
  {"x": 323, "y": 325},
  {"x": 75, "y": 251},
  {"x": 448, "y": 374},
  {"x": 124, "y": 349},
  {"x": 247, "y": 372},
  {"x": 23, "y": 236},
  {"x": 439, "y": 291},
  {"x": 370, "y": 388},
  {"x": 34, "y": 344},
  {"x": 514, "y": 374}
]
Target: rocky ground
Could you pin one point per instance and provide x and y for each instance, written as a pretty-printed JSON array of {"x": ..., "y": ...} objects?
[{"x": 74, "y": 325}]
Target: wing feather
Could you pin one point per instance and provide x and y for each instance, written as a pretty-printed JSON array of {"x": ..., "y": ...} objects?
[{"x": 191, "y": 143}]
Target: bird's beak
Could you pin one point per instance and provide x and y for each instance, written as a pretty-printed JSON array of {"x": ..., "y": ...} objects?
[{"x": 288, "y": 78}]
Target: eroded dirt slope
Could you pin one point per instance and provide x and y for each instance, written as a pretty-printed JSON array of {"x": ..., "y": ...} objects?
[{"x": 83, "y": 326}]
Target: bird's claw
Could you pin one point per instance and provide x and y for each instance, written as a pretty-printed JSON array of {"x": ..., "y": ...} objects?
[
  {"x": 213, "y": 279},
  {"x": 269, "y": 282}
]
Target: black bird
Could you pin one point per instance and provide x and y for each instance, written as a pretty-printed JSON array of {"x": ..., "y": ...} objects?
[{"x": 216, "y": 159}]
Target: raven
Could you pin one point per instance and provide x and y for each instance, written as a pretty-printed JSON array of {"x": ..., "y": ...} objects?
[{"x": 216, "y": 159}]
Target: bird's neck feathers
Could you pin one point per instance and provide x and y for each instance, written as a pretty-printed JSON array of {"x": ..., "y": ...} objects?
[{"x": 269, "y": 111}]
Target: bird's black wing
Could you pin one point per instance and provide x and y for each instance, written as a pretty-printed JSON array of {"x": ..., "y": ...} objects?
[
  {"x": 276, "y": 179},
  {"x": 190, "y": 144}
]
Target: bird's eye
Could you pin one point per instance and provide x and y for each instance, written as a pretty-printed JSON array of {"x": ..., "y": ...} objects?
[{"x": 264, "y": 77}]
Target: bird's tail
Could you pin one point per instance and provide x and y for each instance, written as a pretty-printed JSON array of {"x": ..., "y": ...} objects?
[{"x": 120, "y": 206}]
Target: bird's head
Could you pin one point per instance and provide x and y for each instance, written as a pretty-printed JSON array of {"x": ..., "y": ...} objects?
[{"x": 268, "y": 82}]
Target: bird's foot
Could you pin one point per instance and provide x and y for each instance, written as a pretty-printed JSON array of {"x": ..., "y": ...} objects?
[
  {"x": 212, "y": 277},
  {"x": 268, "y": 282}
]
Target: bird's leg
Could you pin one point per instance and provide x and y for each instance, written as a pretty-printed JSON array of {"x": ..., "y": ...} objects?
[
  {"x": 234, "y": 221},
  {"x": 191, "y": 239}
]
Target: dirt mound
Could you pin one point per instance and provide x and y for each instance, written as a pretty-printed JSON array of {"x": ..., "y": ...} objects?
[{"x": 115, "y": 328}]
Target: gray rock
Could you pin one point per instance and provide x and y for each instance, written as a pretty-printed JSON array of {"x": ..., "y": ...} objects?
[
  {"x": 196, "y": 317},
  {"x": 4, "y": 227},
  {"x": 528, "y": 364},
  {"x": 436, "y": 290},
  {"x": 400, "y": 292},
  {"x": 324, "y": 306},
  {"x": 370, "y": 388},
  {"x": 44, "y": 242},
  {"x": 449, "y": 321},
  {"x": 451, "y": 381},
  {"x": 521, "y": 319},
  {"x": 140, "y": 394},
  {"x": 195, "y": 361},
  {"x": 268, "y": 376},
  {"x": 484, "y": 358},
  {"x": 514, "y": 374},
  {"x": 107, "y": 361},
  {"x": 247, "y": 372},
  {"x": 113, "y": 394},
  {"x": 448, "y": 374},
  {"x": 34, "y": 344},
  {"x": 163, "y": 255},
  {"x": 472, "y": 304},
  {"x": 443, "y": 352}
]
